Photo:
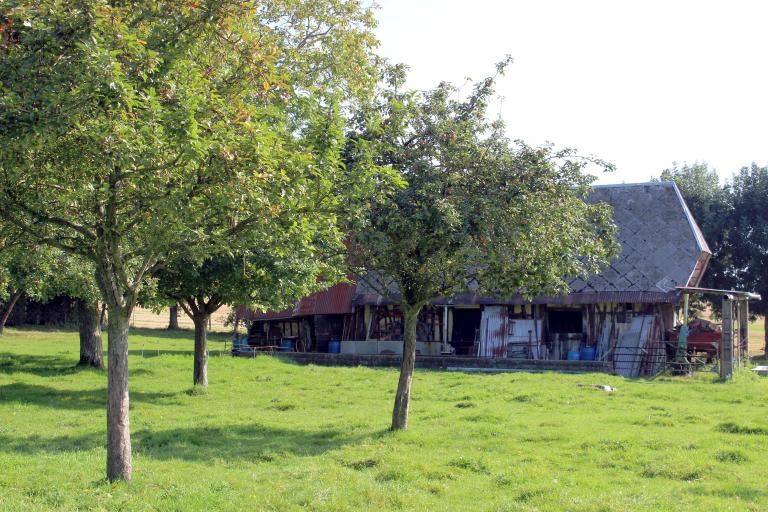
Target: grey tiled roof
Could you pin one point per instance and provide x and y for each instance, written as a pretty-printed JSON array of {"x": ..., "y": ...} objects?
[
  {"x": 662, "y": 248},
  {"x": 661, "y": 242}
]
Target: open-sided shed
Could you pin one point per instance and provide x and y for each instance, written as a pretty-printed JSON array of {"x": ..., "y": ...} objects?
[{"x": 620, "y": 315}]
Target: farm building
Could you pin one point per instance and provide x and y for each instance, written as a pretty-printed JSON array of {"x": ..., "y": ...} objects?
[{"x": 621, "y": 315}]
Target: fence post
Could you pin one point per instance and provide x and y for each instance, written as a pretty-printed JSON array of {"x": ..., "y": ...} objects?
[
  {"x": 726, "y": 344},
  {"x": 744, "y": 329}
]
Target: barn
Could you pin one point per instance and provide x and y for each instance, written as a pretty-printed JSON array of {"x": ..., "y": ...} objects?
[{"x": 621, "y": 315}]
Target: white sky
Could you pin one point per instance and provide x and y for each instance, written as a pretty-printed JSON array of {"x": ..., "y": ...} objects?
[{"x": 640, "y": 84}]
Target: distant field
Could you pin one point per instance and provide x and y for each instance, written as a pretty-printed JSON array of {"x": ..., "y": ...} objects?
[
  {"x": 757, "y": 337},
  {"x": 275, "y": 436},
  {"x": 145, "y": 318}
]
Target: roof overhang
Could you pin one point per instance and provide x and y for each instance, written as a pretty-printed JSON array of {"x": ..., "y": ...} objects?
[{"x": 739, "y": 294}]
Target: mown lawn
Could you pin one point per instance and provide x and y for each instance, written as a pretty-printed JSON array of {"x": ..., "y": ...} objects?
[{"x": 275, "y": 436}]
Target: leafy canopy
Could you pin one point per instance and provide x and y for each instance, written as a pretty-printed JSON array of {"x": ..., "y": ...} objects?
[
  {"x": 128, "y": 127},
  {"x": 478, "y": 213}
]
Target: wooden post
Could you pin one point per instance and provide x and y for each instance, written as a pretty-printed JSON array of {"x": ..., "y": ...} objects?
[
  {"x": 445, "y": 330},
  {"x": 726, "y": 344},
  {"x": 744, "y": 329},
  {"x": 682, "y": 337}
]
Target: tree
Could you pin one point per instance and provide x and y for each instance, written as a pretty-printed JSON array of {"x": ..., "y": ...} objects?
[
  {"x": 256, "y": 278},
  {"x": 125, "y": 126},
  {"x": 173, "y": 317},
  {"x": 24, "y": 268},
  {"x": 74, "y": 276},
  {"x": 747, "y": 237},
  {"x": 300, "y": 251},
  {"x": 477, "y": 213},
  {"x": 42, "y": 273}
]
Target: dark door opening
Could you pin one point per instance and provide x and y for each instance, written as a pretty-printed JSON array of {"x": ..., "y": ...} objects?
[
  {"x": 565, "y": 321},
  {"x": 466, "y": 328}
]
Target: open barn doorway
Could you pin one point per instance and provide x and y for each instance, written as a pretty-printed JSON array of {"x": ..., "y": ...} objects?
[
  {"x": 466, "y": 329},
  {"x": 566, "y": 331}
]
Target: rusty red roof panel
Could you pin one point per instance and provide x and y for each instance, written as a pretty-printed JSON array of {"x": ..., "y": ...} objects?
[{"x": 336, "y": 300}]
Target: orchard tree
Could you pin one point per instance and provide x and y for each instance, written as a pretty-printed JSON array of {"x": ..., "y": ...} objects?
[
  {"x": 24, "y": 269},
  {"x": 42, "y": 272},
  {"x": 73, "y": 276},
  {"x": 173, "y": 317},
  {"x": 125, "y": 127},
  {"x": 258, "y": 279},
  {"x": 477, "y": 212},
  {"x": 301, "y": 250}
]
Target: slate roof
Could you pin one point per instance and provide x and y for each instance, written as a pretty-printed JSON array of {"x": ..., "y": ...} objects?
[
  {"x": 661, "y": 242},
  {"x": 662, "y": 248}
]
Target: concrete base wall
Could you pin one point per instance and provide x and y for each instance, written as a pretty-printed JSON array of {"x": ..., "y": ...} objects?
[
  {"x": 446, "y": 362},
  {"x": 431, "y": 348}
]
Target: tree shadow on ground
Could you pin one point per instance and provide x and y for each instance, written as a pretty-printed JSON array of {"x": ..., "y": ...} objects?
[
  {"x": 77, "y": 399},
  {"x": 740, "y": 492},
  {"x": 253, "y": 443},
  {"x": 42, "y": 366}
]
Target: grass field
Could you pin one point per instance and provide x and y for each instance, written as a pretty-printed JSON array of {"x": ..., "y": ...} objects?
[{"x": 275, "y": 436}]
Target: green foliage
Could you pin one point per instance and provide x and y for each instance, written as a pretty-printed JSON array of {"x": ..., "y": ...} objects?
[
  {"x": 733, "y": 219},
  {"x": 477, "y": 212},
  {"x": 126, "y": 127},
  {"x": 748, "y": 240},
  {"x": 650, "y": 446},
  {"x": 27, "y": 268}
]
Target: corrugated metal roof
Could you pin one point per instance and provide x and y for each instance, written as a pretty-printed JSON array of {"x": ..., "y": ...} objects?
[{"x": 336, "y": 300}]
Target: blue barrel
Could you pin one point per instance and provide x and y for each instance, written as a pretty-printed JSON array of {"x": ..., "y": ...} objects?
[
  {"x": 573, "y": 355},
  {"x": 287, "y": 346},
  {"x": 587, "y": 354},
  {"x": 334, "y": 347}
]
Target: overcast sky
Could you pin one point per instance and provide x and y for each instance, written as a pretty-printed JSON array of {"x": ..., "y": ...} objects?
[{"x": 641, "y": 84}]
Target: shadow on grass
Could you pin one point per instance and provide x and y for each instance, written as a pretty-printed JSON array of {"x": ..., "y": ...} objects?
[
  {"x": 80, "y": 399},
  {"x": 254, "y": 443},
  {"x": 739, "y": 492},
  {"x": 40, "y": 365}
]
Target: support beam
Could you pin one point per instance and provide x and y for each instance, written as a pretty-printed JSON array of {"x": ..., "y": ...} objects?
[
  {"x": 682, "y": 337},
  {"x": 744, "y": 330},
  {"x": 726, "y": 344}
]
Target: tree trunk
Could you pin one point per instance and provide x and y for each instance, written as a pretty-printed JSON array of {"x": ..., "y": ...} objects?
[
  {"x": 173, "y": 319},
  {"x": 403, "y": 397},
  {"x": 118, "y": 428},
  {"x": 201, "y": 350},
  {"x": 91, "y": 351},
  {"x": 9, "y": 308}
]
